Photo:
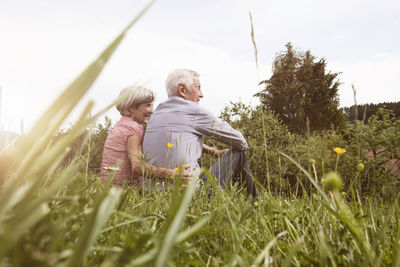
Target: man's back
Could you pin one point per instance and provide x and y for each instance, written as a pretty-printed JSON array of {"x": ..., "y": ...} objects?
[{"x": 181, "y": 124}]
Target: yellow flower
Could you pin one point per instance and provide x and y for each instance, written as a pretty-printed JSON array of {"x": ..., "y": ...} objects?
[
  {"x": 163, "y": 183},
  {"x": 157, "y": 184},
  {"x": 169, "y": 145},
  {"x": 183, "y": 185},
  {"x": 339, "y": 150},
  {"x": 111, "y": 168},
  {"x": 177, "y": 169}
]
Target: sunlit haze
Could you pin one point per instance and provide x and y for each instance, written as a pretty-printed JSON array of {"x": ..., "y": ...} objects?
[{"x": 46, "y": 44}]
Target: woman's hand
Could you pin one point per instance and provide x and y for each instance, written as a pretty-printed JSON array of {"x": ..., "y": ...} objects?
[
  {"x": 186, "y": 176},
  {"x": 134, "y": 148}
]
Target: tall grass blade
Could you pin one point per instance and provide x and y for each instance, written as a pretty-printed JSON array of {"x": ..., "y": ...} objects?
[
  {"x": 34, "y": 159},
  {"x": 144, "y": 259},
  {"x": 291, "y": 255},
  {"x": 396, "y": 245},
  {"x": 264, "y": 255},
  {"x": 191, "y": 231},
  {"x": 32, "y": 144},
  {"x": 253, "y": 40},
  {"x": 95, "y": 221},
  {"x": 343, "y": 214},
  {"x": 320, "y": 191},
  {"x": 346, "y": 217},
  {"x": 171, "y": 235},
  {"x": 16, "y": 228}
]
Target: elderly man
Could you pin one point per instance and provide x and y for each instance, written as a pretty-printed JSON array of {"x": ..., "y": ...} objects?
[{"x": 174, "y": 134}]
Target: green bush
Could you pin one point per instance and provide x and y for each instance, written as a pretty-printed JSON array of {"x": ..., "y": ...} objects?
[
  {"x": 376, "y": 145},
  {"x": 89, "y": 145}
]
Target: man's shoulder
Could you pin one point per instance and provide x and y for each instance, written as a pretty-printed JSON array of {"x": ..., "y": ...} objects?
[{"x": 178, "y": 103}]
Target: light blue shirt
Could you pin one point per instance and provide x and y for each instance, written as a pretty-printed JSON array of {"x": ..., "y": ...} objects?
[{"x": 183, "y": 124}]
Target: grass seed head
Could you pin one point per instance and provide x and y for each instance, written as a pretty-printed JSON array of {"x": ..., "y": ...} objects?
[
  {"x": 360, "y": 167},
  {"x": 333, "y": 182}
]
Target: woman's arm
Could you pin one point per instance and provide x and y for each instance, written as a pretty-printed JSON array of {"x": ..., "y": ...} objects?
[{"x": 141, "y": 167}]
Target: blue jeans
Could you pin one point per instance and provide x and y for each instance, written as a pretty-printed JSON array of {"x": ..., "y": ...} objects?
[{"x": 233, "y": 167}]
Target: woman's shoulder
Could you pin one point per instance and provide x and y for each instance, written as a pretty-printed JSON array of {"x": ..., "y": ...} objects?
[{"x": 129, "y": 126}]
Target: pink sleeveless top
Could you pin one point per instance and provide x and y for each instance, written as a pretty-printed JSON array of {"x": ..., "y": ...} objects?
[{"x": 116, "y": 162}]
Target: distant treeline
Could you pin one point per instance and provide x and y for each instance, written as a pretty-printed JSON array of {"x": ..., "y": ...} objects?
[{"x": 365, "y": 111}]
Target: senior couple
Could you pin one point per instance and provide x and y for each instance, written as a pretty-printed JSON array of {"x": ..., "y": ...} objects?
[{"x": 173, "y": 138}]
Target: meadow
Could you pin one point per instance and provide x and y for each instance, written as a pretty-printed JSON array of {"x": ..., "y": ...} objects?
[{"x": 321, "y": 201}]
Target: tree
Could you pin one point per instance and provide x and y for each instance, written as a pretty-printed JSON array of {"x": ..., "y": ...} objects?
[
  {"x": 301, "y": 93},
  {"x": 365, "y": 111}
]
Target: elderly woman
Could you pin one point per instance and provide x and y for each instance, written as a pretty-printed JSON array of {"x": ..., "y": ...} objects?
[{"x": 122, "y": 155}]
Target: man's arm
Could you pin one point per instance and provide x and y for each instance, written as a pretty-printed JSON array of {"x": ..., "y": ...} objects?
[
  {"x": 208, "y": 125},
  {"x": 134, "y": 149},
  {"x": 213, "y": 151}
]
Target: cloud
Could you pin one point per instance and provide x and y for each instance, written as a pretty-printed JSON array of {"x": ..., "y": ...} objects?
[
  {"x": 376, "y": 79},
  {"x": 223, "y": 77}
]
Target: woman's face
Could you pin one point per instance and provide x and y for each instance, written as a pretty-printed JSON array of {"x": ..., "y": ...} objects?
[{"x": 141, "y": 114}]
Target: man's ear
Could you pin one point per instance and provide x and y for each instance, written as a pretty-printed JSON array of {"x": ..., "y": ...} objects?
[{"x": 181, "y": 90}]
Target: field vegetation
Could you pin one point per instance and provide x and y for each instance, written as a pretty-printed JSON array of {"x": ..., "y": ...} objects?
[{"x": 326, "y": 197}]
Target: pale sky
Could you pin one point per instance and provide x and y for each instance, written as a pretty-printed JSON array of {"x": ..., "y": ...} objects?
[{"x": 45, "y": 44}]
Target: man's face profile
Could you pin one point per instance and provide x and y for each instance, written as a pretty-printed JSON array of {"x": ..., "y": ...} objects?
[{"x": 195, "y": 94}]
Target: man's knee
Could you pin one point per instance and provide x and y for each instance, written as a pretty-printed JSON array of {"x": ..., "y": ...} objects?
[{"x": 239, "y": 154}]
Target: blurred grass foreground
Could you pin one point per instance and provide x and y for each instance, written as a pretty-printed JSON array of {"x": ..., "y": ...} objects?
[{"x": 56, "y": 213}]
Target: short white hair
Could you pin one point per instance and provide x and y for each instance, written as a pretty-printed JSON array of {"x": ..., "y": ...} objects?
[
  {"x": 180, "y": 76},
  {"x": 134, "y": 96}
]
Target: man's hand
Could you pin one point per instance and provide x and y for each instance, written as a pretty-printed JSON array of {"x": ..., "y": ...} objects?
[
  {"x": 219, "y": 153},
  {"x": 213, "y": 151}
]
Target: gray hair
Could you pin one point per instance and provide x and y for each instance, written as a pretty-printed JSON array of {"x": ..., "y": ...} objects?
[
  {"x": 134, "y": 96},
  {"x": 180, "y": 76}
]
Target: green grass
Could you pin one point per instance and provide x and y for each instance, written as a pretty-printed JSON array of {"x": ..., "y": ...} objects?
[{"x": 189, "y": 227}]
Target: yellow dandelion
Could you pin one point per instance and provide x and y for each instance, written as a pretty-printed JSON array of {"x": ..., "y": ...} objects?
[
  {"x": 339, "y": 150},
  {"x": 169, "y": 145},
  {"x": 157, "y": 184},
  {"x": 163, "y": 183},
  {"x": 183, "y": 185},
  {"x": 177, "y": 169},
  {"x": 111, "y": 168}
]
